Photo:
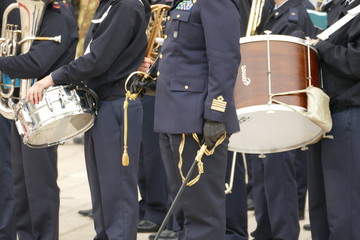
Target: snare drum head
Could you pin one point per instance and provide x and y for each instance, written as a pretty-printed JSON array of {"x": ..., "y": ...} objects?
[
  {"x": 63, "y": 113},
  {"x": 58, "y": 130},
  {"x": 265, "y": 129}
]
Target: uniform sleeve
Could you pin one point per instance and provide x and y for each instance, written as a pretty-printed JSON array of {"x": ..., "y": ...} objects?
[
  {"x": 112, "y": 35},
  {"x": 221, "y": 23},
  {"x": 42, "y": 54},
  {"x": 344, "y": 59}
]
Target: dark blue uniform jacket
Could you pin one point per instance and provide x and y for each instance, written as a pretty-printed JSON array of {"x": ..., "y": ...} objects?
[
  {"x": 198, "y": 66},
  {"x": 117, "y": 44},
  {"x": 289, "y": 19},
  {"x": 340, "y": 58}
]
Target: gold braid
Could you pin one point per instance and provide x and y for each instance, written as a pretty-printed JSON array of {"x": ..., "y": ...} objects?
[{"x": 198, "y": 157}]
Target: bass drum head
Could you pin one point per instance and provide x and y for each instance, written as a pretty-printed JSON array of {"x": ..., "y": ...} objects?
[{"x": 274, "y": 128}]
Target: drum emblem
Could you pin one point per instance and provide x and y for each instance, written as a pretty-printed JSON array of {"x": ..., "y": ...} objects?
[{"x": 246, "y": 81}]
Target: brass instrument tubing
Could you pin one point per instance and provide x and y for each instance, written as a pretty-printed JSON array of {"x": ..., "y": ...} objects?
[{"x": 54, "y": 39}]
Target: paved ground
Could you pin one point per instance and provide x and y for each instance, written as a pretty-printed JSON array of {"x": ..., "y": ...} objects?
[{"x": 75, "y": 196}]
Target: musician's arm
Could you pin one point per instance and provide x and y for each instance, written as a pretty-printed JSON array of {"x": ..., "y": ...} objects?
[
  {"x": 37, "y": 62},
  {"x": 223, "y": 53},
  {"x": 346, "y": 57}
]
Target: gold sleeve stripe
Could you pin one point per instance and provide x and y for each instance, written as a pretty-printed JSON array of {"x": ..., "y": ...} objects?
[{"x": 218, "y": 104}]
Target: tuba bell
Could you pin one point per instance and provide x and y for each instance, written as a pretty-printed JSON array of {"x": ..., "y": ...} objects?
[{"x": 14, "y": 39}]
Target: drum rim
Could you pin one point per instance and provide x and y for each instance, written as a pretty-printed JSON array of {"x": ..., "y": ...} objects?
[
  {"x": 274, "y": 37},
  {"x": 235, "y": 146}
]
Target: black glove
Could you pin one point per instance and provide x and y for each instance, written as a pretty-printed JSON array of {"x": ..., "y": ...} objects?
[
  {"x": 148, "y": 85},
  {"x": 212, "y": 131}
]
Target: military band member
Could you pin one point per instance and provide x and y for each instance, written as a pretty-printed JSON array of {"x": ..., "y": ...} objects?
[
  {"x": 115, "y": 47},
  {"x": 334, "y": 190},
  {"x": 35, "y": 169},
  {"x": 153, "y": 188},
  {"x": 197, "y": 72},
  {"x": 274, "y": 178}
]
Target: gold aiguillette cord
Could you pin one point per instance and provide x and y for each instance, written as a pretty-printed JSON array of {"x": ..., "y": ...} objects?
[{"x": 200, "y": 153}]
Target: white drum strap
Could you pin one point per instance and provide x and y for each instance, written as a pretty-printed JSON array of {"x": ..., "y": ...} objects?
[{"x": 318, "y": 110}]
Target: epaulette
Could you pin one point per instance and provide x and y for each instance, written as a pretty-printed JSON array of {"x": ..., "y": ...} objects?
[{"x": 293, "y": 15}]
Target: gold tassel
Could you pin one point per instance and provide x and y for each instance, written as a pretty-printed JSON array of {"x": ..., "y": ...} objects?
[{"x": 125, "y": 157}]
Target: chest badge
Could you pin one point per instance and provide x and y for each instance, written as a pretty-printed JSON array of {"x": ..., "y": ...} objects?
[{"x": 185, "y": 5}]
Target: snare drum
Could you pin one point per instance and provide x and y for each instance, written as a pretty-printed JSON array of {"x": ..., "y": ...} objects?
[
  {"x": 64, "y": 112},
  {"x": 271, "y": 65}
]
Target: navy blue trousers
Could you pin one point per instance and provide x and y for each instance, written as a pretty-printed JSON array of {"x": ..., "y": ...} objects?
[
  {"x": 36, "y": 190},
  {"x": 203, "y": 204},
  {"x": 236, "y": 201},
  {"x": 152, "y": 176},
  {"x": 300, "y": 163},
  {"x": 275, "y": 196},
  {"x": 113, "y": 187},
  {"x": 334, "y": 189},
  {"x": 7, "y": 203}
]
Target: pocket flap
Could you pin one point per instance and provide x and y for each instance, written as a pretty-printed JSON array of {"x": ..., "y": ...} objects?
[
  {"x": 182, "y": 16},
  {"x": 192, "y": 84}
]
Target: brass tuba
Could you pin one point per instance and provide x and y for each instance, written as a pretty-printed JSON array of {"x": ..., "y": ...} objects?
[{"x": 12, "y": 38}]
